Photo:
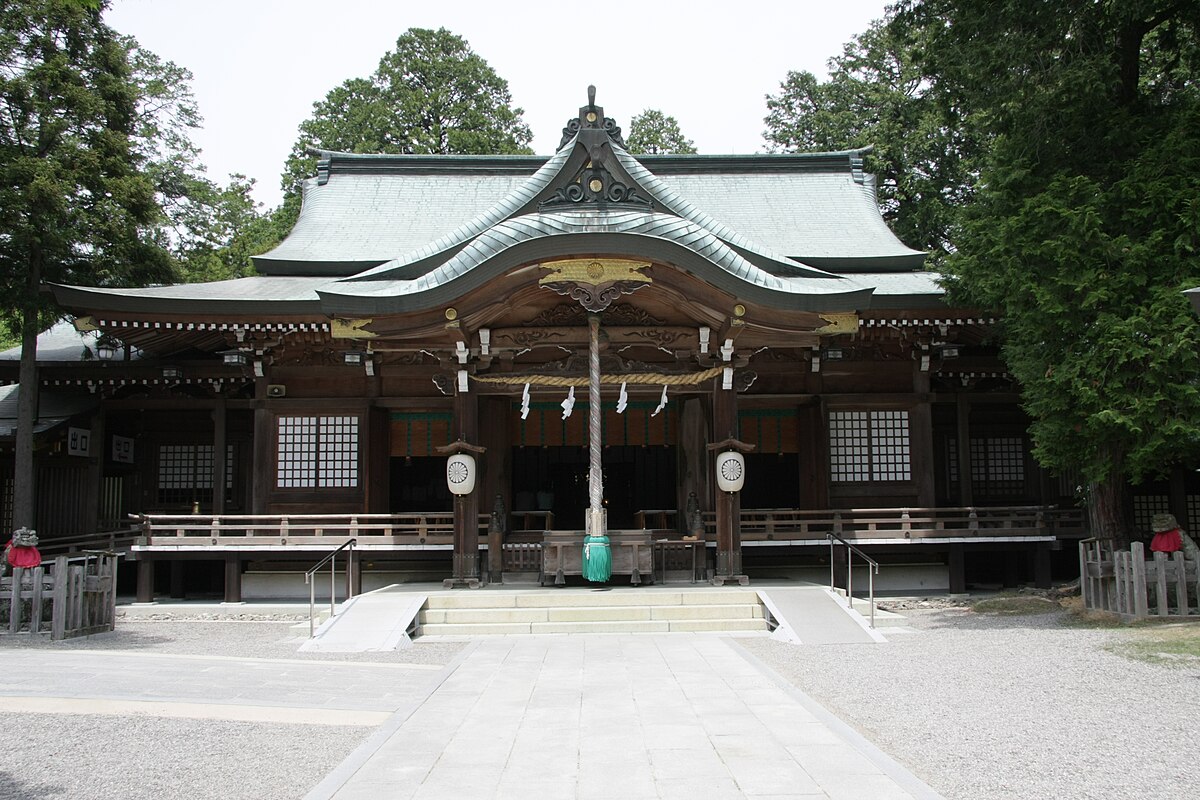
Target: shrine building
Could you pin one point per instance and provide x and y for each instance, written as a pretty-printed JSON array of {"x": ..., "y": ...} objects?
[{"x": 425, "y": 307}]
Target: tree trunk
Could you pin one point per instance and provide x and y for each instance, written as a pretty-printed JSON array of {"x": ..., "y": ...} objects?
[
  {"x": 1108, "y": 513},
  {"x": 27, "y": 412}
]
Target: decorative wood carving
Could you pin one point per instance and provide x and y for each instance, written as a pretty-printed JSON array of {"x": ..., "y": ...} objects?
[
  {"x": 617, "y": 314},
  {"x": 351, "y": 329},
  {"x": 525, "y": 337},
  {"x": 661, "y": 338},
  {"x": 839, "y": 323},
  {"x": 595, "y": 283}
]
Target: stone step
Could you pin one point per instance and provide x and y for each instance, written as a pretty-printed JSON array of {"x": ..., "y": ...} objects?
[
  {"x": 471, "y": 616},
  {"x": 596, "y": 626},
  {"x": 591, "y": 598}
]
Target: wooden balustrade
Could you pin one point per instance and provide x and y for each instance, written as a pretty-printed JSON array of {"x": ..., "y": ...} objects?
[
  {"x": 322, "y": 530},
  {"x": 789, "y": 524},
  {"x": 762, "y": 524}
]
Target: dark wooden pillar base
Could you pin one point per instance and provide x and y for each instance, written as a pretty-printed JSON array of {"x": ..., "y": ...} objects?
[
  {"x": 465, "y": 572},
  {"x": 233, "y": 579},
  {"x": 958, "y": 569},
  {"x": 177, "y": 592},
  {"x": 1041, "y": 565},
  {"x": 729, "y": 568},
  {"x": 354, "y": 576},
  {"x": 145, "y": 581},
  {"x": 840, "y": 563}
]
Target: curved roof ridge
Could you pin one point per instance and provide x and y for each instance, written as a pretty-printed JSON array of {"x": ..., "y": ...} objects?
[
  {"x": 673, "y": 201},
  {"x": 505, "y": 208},
  {"x": 684, "y": 232}
]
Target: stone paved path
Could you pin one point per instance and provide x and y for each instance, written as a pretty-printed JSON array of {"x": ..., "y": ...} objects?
[{"x": 616, "y": 716}]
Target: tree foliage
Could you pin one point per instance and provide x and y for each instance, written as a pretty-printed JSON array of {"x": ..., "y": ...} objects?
[
  {"x": 77, "y": 205},
  {"x": 877, "y": 96},
  {"x": 432, "y": 94},
  {"x": 209, "y": 230},
  {"x": 654, "y": 132},
  {"x": 1086, "y": 225}
]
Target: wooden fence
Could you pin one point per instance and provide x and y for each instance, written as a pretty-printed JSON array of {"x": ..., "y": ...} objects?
[
  {"x": 77, "y": 596},
  {"x": 1125, "y": 582}
]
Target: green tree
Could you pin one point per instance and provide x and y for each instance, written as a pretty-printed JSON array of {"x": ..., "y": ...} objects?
[
  {"x": 878, "y": 97},
  {"x": 76, "y": 204},
  {"x": 654, "y": 132},
  {"x": 211, "y": 231},
  {"x": 1086, "y": 225},
  {"x": 432, "y": 94},
  {"x": 230, "y": 228}
]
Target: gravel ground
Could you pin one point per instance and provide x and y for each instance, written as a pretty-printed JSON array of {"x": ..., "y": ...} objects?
[
  {"x": 67, "y": 756},
  {"x": 990, "y": 707},
  {"x": 245, "y": 638},
  {"x": 149, "y": 758}
]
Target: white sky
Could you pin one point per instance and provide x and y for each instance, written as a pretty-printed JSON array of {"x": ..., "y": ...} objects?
[{"x": 259, "y": 65}]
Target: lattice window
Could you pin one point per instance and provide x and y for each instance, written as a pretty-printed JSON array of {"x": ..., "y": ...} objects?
[
  {"x": 869, "y": 446},
  {"x": 1193, "y": 510},
  {"x": 997, "y": 465},
  {"x": 1145, "y": 506},
  {"x": 319, "y": 452},
  {"x": 185, "y": 472}
]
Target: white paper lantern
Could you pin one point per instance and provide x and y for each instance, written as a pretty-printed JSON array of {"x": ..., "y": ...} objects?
[
  {"x": 731, "y": 471},
  {"x": 460, "y": 473}
]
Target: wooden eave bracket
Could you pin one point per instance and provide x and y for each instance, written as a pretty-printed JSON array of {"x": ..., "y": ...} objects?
[
  {"x": 454, "y": 448},
  {"x": 732, "y": 444}
]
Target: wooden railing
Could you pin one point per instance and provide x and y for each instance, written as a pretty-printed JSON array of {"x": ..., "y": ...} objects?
[
  {"x": 115, "y": 540},
  {"x": 789, "y": 524},
  {"x": 78, "y": 595},
  {"x": 300, "y": 530},
  {"x": 1124, "y": 581},
  {"x": 771, "y": 524}
]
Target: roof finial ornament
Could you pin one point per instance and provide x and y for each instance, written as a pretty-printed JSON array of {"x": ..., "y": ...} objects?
[{"x": 591, "y": 116}]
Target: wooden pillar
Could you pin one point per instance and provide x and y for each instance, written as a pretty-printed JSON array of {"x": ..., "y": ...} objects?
[
  {"x": 692, "y": 459},
  {"x": 727, "y": 505},
  {"x": 220, "y": 446},
  {"x": 377, "y": 460},
  {"x": 921, "y": 433},
  {"x": 262, "y": 464},
  {"x": 958, "y": 569},
  {"x": 496, "y": 474},
  {"x": 840, "y": 561},
  {"x": 177, "y": 590},
  {"x": 233, "y": 578},
  {"x": 966, "y": 497},
  {"x": 95, "y": 480},
  {"x": 814, "y": 460},
  {"x": 354, "y": 572},
  {"x": 1041, "y": 565},
  {"x": 145, "y": 580},
  {"x": 466, "y": 507}
]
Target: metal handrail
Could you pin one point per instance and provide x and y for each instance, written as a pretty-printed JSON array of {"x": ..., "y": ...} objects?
[
  {"x": 330, "y": 559},
  {"x": 872, "y": 571}
]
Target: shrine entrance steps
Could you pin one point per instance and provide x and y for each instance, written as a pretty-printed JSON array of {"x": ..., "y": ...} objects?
[{"x": 593, "y": 611}]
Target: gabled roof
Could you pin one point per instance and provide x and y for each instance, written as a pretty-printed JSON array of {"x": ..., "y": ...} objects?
[
  {"x": 390, "y": 234},
  {"x": 362, "y": 211}
]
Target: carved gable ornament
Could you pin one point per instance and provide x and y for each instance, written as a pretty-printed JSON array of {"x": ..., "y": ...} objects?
[{"x": 594, "y": 282}]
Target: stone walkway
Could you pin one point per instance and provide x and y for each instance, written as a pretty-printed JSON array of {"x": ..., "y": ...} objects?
[{"x": 681, "y": 716}]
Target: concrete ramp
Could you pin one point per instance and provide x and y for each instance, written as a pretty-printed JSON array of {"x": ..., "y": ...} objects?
[
  {"x": 377, "y": 620},
  {"x": 814, "y": 615}
]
